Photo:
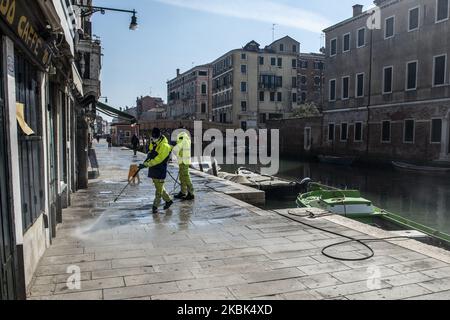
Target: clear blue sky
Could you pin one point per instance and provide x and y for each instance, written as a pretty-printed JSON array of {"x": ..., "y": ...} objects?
[{"x": 179, "y": 33}]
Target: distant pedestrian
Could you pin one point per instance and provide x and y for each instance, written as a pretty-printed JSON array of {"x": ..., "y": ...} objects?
[
  {"x": 98, "y": 138},
  {"x": 135, "y": 143},
  {"x": 109, "y": 140},
  {"x": 157, "y": 160}
]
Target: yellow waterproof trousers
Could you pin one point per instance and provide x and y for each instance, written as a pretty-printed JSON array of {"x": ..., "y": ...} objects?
[
  {"x": 160, "y": 193},
  {"x": 185, "y": 180}
]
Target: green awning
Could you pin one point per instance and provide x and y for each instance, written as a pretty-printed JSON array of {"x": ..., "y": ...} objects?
[{"x": 112, "y": 112}]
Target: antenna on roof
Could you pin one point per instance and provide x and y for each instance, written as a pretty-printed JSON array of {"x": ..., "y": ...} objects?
[{"x": 273, "y": 31}]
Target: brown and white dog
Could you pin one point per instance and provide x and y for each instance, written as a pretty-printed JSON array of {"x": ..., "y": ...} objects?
[{"x": 133, "y": 174}]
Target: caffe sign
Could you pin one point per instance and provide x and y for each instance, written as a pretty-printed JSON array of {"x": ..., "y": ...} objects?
[{"x": 21, "y": 21}]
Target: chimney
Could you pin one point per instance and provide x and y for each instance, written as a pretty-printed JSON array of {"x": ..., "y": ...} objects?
[
  {"x": 357, "y": 10},
  {"x": 178, "y": 72}
]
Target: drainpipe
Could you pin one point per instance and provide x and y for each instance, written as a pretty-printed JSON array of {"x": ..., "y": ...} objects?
[{"x": 369, "y": 98}]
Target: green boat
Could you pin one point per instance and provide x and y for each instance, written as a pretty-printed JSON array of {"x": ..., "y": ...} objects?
[{"x": 351, "y": 204}]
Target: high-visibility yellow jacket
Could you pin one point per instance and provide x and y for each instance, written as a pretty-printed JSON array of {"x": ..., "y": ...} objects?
[
  {"x": 183, "y": 149},
  {"x": 157, "y": 158}
]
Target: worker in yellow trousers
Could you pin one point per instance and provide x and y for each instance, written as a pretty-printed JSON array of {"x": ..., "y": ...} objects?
[
  {"x": 183, "y": 153},
  {"x": 157, "y": 160}
]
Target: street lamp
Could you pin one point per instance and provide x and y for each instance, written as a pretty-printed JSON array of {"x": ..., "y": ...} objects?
[
  {"x": 133, "y": 24},
  {"x": 89, "y": 10}
]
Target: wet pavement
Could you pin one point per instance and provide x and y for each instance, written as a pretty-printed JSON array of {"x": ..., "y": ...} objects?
[{"x": 219, "y": 247}]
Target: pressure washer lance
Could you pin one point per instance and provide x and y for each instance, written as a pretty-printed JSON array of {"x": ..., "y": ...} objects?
[{"x": 129, "y": 182}]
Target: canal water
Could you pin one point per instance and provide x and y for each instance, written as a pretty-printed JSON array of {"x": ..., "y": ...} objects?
[{"x": 422, "y": 198}]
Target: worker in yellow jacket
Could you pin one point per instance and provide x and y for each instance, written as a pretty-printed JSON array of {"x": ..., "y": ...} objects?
[
  {"x": 183, "y": 153},
  {"x": 157, "y": 160}
]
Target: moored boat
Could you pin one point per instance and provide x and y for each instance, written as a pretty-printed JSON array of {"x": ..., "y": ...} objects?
[
  {"x": 259, "y": 181},
  {"x": 416, "y": 168},
  {"x": 351, "y": 204}
]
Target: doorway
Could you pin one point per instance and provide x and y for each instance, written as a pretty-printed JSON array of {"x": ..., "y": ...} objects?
[{"x": 8, "y": 276}]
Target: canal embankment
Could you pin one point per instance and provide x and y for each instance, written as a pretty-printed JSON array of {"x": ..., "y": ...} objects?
[{"x": 220, "y": 247}]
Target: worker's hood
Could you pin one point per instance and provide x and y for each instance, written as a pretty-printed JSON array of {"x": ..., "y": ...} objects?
[{"x": 184, "y": 138}]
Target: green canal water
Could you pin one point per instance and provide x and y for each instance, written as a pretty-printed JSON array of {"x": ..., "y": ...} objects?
[{"x": 420, "y": 197}]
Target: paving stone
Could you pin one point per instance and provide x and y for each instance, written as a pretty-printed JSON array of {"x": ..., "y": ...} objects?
[
  {"x": 158, "y": 278},
  {"x": 279, "y": 274},
  {"x": 294, "y": 262},
  {"x": 417, "y": 265},
  {"x": 210, "y": 282},
  {"x": 120, "y": 254},
  {"x": 441, "y": 296},
  {"x": 361, "y": 274},
  {"x": 53, "y": 251},
  {"x": 409, "y": 256},
  {"x": 60, "y": 278},
  {"x": 289, "y": 247},
  {"x": 175, "y": 267},
  {"x": 207, "y": 294},
  {"x": 293, "y": 254},
  {"x": 324, "y": 268},
  {"x": 302, "y": 295},
  {"x": 137, "y": 262},
  {"x": 42, "y": 290},
  {"x": 266, "y": 288},
  {"x": 62, "y": 269},
  {"x": 346, "y": 289},
  {"x": 393, "y": 293},
  {"x": 140, "y": 291},
  {"x": 437, "y": 285},
  {"x": 67, "y": 259},
  {"x": 91, "y": 295},
  {"x": 319, "y": 281},
  {"x": 121, "y": 272},
  {"x": 438, "y": 273},
  {"x": 92, "y": 285},
  {"x": 405, "y": 279}
]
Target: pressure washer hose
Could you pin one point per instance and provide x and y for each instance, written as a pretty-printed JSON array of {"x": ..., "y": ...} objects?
[{"x": 350, "y": 239}]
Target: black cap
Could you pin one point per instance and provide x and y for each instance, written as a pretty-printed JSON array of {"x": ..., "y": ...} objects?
[{"x": 156, "y": 133}]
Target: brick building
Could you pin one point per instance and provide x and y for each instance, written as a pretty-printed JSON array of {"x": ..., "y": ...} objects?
[
  {"x": 311, "y": 78},
  {"x": 189, "y": 94},
  {"x": 387, "y": 86}
]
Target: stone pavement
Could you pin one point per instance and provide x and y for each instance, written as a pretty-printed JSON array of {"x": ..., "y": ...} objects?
[{"x": 218, "y": 248}]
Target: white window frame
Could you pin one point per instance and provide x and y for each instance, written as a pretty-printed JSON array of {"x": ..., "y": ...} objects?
[
  {"x": 335, "y": 90},
  {"x": 434, "y": 70},
  {"x": 246, "y": 69},
  {"x": 342, "y": 88},
  {"x": 357, "y": 38},
  {"x": 362, "y": 132},
  {"x": 334, "y": 132},
  {"x": 404, "y": 131},
  {"x": 390, "y": 131},
  {"x": 431, "y": 130},
  {"x": 349, "y": 42},
  {"x": 407, "y": 74},
  {"x": 385, "y": 28},
  {"x": 331, "y": 47},
  {"x": 384, "y": 79},
  {"x": 436, "y": 12},
  {"x": 340, "y": 138},
  {"x": 409, "y": 19},
  {"x": 364, "y": 84}
]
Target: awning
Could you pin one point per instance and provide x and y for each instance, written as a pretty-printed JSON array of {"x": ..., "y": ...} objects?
[
  {"x": 111, "y": 112},
  {"x": 77, "y": 81}
]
